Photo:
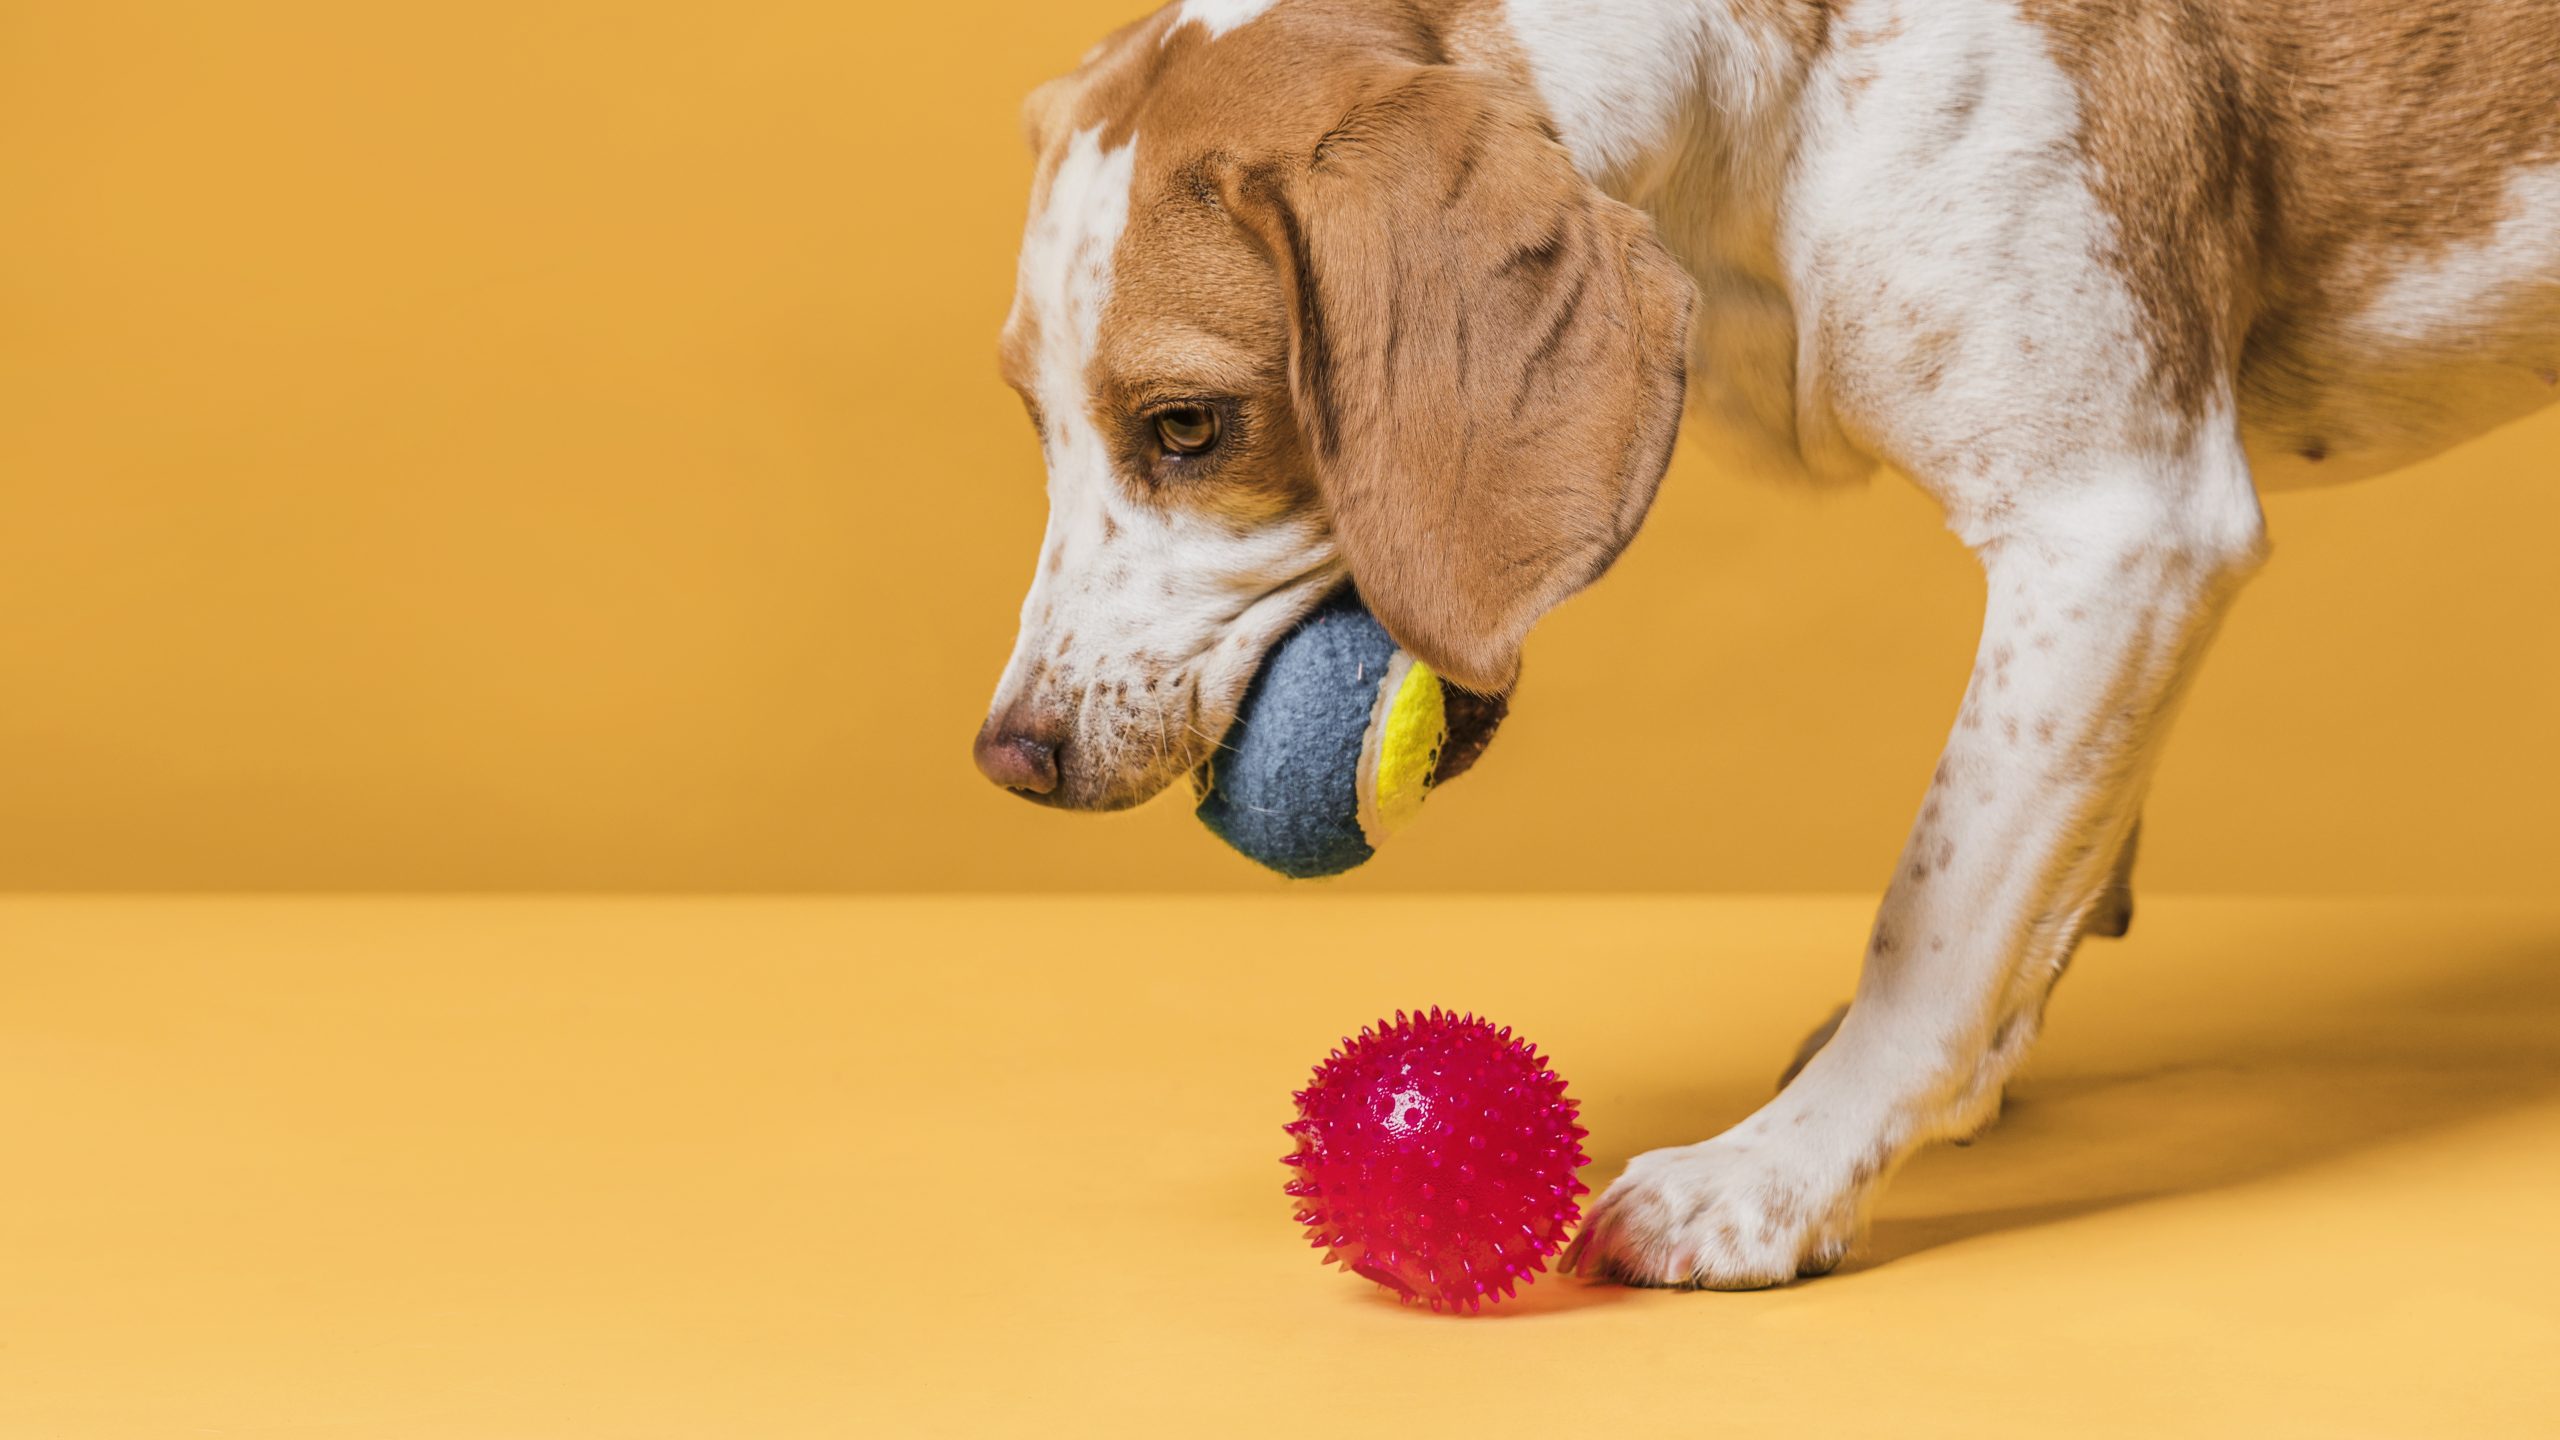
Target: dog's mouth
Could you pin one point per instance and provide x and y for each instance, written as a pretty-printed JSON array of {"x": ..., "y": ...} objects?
[
  {"x": 1472, "y": 720},
  {"x": 1468, "y": 717},
  {"x": 1139, "y": 754},
  {"x": 1138, "y": 736}
]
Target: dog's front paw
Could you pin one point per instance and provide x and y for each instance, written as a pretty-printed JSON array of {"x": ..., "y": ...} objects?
[{"x": 1736, "y": 1213}]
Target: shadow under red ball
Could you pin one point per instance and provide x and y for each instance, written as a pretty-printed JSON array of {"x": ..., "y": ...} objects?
[{"x": 1437, "y": 1156}]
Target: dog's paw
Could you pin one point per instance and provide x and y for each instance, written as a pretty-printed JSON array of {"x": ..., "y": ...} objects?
[{"x": 1731, "y": 1214}]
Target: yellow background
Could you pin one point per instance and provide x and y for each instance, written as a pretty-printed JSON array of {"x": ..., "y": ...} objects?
[
  {"x": 667, "y": 1169},
  {"x": 522, "y": 445},
  {"x": 538, "y": 446}
]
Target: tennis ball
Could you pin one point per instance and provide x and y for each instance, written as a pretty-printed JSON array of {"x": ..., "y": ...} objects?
[{"x": 1341, "y": 736}]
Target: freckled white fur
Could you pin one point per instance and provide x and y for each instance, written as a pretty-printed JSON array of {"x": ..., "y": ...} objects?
[
  {"x": 1217, "y": 16},
  {"x": 1136, "y": 611},
  {"x": 1914, "y": 242},
  {"x": 1925, "y": 269},
  {"x": 1065, "y": 270},
  {"x": 1062, "y": 284},
  {"x": 1621, "y": 76}
]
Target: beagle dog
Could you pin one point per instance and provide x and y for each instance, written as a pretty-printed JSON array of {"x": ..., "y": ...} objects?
[{"x": 1411, "y": 293}]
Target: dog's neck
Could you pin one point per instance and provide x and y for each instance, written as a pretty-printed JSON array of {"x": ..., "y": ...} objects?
[{"x": 1672, "y": 105}]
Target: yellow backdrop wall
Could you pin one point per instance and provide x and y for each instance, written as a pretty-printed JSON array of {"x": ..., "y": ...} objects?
[{"x": 549, "y": 445}]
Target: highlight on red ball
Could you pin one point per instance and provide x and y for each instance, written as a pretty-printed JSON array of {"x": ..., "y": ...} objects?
[{"x": 1437, "y": 1156}]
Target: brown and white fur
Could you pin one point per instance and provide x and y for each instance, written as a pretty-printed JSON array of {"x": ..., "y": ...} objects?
[{"x": 1440, "y": 273}]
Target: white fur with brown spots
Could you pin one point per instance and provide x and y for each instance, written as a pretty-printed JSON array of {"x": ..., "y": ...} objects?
[{"x": 2090, "y": 271}]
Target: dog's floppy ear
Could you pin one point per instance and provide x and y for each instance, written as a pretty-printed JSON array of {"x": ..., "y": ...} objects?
[{"x": 1486, "y": 358}]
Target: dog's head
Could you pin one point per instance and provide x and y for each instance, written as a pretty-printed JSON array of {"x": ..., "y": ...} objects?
[{"x": 1300, "y": 301}]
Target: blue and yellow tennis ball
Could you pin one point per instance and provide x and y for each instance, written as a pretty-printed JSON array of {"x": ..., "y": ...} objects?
[{"x": 1340, "y": 737}]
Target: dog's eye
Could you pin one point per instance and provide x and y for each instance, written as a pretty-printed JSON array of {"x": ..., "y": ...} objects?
[{"x": 1187, "y": 429}]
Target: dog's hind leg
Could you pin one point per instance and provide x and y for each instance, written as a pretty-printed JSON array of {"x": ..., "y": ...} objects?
[{"x": 2113, "y": 914}]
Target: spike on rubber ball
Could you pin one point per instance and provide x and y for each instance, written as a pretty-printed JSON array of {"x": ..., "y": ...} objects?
[
  {"x": 1437, "y": 1156},
  {"x": 1339, "y": 739}
]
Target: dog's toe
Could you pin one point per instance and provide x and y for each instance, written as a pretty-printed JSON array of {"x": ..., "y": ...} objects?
[{"x": 1718, "y": 1216}]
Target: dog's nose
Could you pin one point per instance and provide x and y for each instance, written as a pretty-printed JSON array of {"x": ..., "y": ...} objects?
[{"x": 1016, "y": 756}]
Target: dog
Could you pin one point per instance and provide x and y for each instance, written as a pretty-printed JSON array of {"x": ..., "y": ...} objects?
[{"x": 1413, "y": 294}]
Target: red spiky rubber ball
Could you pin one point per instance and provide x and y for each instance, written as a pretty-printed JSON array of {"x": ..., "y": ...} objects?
[{"x": 1436, "y": 1156}]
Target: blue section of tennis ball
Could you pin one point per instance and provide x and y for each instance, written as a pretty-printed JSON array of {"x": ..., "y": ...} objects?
[{"x": 1340, "y": 737}]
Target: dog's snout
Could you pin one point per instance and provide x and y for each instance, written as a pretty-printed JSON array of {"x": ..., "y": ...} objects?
[{"x": 1018, "y": 753}]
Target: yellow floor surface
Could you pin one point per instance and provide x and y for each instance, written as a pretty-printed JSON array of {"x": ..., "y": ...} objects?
[{"x": 590, "y": 1168}]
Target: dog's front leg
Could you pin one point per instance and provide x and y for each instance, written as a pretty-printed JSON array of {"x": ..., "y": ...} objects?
[{"x": 2098, "y": 609}]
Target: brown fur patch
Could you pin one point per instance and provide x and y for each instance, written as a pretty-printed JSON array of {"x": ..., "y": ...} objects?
[{"x": 2269, "y": 164}]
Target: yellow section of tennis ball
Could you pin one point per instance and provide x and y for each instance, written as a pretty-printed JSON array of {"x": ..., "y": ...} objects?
[{"x": 1401, "y": 752}]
